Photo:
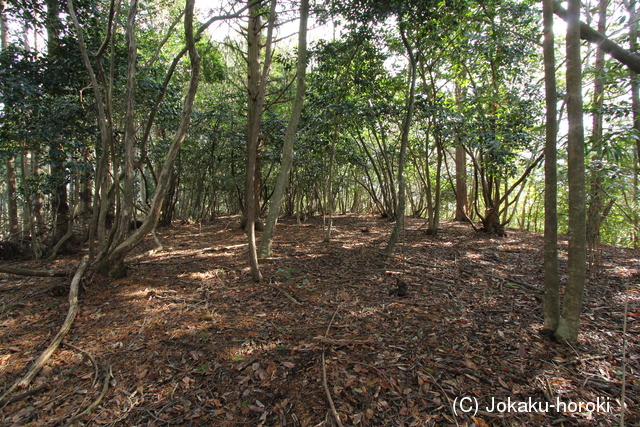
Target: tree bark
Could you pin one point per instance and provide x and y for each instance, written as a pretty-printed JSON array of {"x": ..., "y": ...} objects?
[
  {"x": 551, "y": 310},
  {"x": 569, "y": 324},
  {"x": 59, "y": 199},
  {"x": 290, "y": 133}
]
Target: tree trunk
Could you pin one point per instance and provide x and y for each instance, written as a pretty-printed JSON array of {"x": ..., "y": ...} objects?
[
  {"x": 59, "y": 199},
  {"x": 576, "y": 266},
  {"x": 12, "y": 204},
  {"x": 635, "y": 107},
  {"x": 551, "y": 311},
  {"x": 290, "y": 133},
  {"x": 112, "y": 263},
  {"x": 406, "y": 127},
  {"x": 329, "y": 186},
  {"x": 462, "y": 200},
  {"x": 595, "y": 208},
  {"x": 125, "y": 213}
]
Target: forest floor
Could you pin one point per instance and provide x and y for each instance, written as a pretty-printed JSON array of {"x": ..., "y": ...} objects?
[{"x": 187, "y": 339}]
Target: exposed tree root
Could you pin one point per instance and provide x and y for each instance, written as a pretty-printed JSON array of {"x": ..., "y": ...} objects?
[
  {"x": 64, "y": 330},
  {"x": 30, "y": 272}
]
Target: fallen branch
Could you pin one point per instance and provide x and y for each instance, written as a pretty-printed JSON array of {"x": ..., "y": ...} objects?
[
  {"x": 64, "y": 330},
  {"x": 29, "y": 272}
]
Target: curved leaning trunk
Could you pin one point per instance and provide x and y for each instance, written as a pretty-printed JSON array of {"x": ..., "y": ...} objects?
[{"x": 113, "y": 262}]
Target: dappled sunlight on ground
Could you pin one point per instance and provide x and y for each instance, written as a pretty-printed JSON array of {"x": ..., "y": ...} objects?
[{"x": 191, "y": 340}]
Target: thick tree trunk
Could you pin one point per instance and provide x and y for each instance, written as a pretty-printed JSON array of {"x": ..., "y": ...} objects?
[
  {"x": 551, "y": 309},
  {"x": 576, "y": 266}
]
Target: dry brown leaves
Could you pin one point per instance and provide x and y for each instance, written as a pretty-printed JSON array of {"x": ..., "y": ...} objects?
[{"x": 192, "y": 341}]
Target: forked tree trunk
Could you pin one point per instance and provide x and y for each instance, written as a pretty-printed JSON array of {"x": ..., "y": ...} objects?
[
  {"x": 551, "y": 310},
  {"x": 290, "y": 133},
  {"x": 576, "y": 266},
  {"x": 113, "y": 262}
]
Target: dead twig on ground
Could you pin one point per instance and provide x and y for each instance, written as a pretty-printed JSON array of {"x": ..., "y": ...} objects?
[
  {"x": 64, "y": 330},
  {"x": 96, "y": 368},
  {"x": 324, "y": 373},
  {"x": 328, "y": 393},
  {"x": 279, "y": 289}
]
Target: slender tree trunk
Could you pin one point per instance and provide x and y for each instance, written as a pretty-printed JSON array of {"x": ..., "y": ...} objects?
[
  {"x": 12, "y": 204},
  {"x": 596, "y": 205},
  {"x": 635, "y": 107},
  {"x": 125, "y": 213},
  {"x": 551, "y": 277},
  {"x": 329, "y": 186},
  {"x": 59, "y": 200},
  {"x": 289, "y": 136},
  {"x": 462, "y": 200},
  {"x": 624, "y": 56},
  {"x": 257, "y": 87},
  {"x": 576, "y": 266},
  {"x": 406, "y": 127},
  {"x": 253, "y": 135},
  {"x": 35, "y": 243}
]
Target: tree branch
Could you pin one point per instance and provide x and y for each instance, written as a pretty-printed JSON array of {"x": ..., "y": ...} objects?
[{"x": 587, "y": 33}]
